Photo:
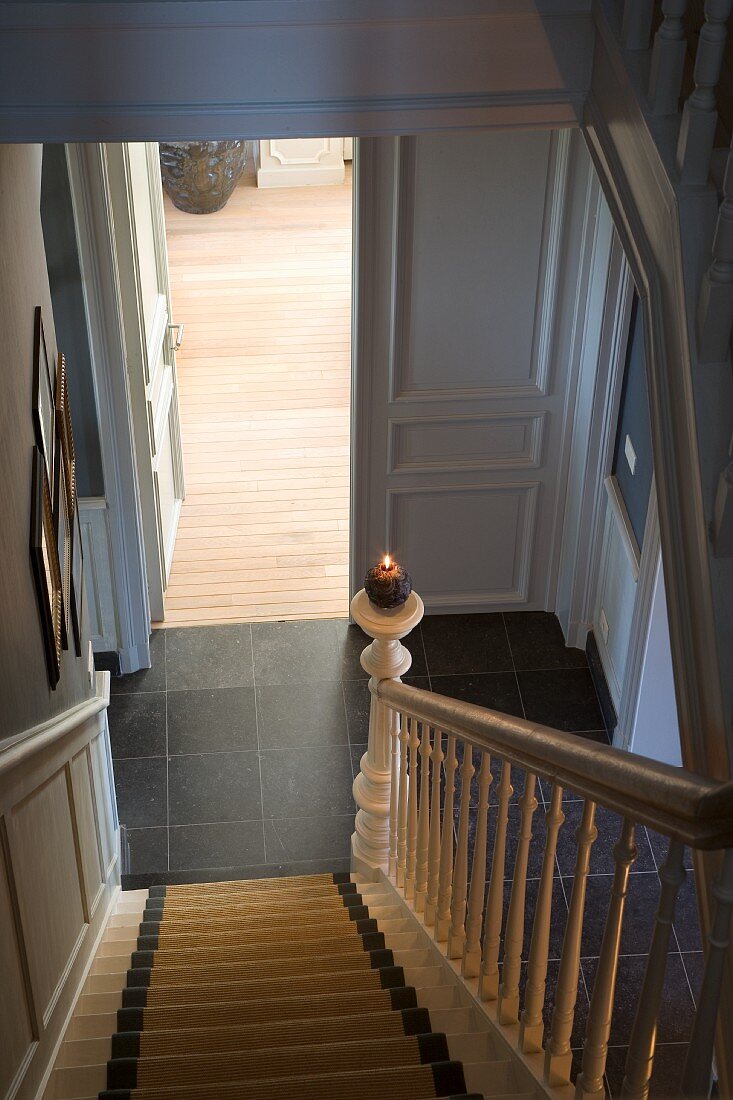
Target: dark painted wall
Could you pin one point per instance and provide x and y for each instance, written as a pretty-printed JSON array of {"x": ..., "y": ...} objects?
[
  {"x": 64, "y": 276},
  {"x": 634, "y": 421}
]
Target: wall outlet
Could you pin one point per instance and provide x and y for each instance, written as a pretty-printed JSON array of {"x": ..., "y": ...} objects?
[
  {"x": 630, "y": 454},
  {"x": 603, "y": 622}
]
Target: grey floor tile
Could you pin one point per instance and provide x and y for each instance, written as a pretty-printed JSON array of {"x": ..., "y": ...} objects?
[
  {"x": 357, "y": 698},
  {"x": 296, "y": 715},
  {"x": 141, "y": 792},
  {"x": 148, "y": 850},
  {"x": 357, "y": 751},
  {"x": 217, "y": 786},
  {"x": 669, "y": 1063},
  {"x": 209, "y": 656},
  {"x": 537, "y": 642},
  {"x": 289, "y": 840},
  {"x": 639, "y": 913},
  {"x": 307, "y": 782},
  {"x": 676, "y": 1010},
  {"x": 147, "y": 679},
  {"x": 211, "y": 720},
  {"x": 218, "y": 844},
  {"x": 296, "y": 652},
  {"x": 687, "y": 917},
  {"x": 608, "y": 825},
  {"x": 496, "y": 690},
  {"x": 563, "y": 698},
  {"x": 137, "y": 724},
  {"x": 465, "y": 644}
]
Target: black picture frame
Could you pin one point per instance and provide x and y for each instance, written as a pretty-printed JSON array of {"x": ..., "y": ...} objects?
[
  {"x": 62, "y": 529},
  {"x": 77, "y": 582},
  {"x": 44, "y": 398},
  {"x": 45, "y": 565}
]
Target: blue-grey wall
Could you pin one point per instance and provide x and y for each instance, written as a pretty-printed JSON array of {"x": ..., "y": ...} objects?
[
  {"x": 64, "y": 276},
  {"x": 634, "y": 422}
]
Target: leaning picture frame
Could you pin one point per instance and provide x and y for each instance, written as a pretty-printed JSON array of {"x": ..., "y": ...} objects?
[
  {"x": 77, "y": 581},
  {"x": 62, "y": 529},
  {"x": 45, "y": 565},
  {"x": 64, "y": 431},
  {"x": 44, "y": 397}
]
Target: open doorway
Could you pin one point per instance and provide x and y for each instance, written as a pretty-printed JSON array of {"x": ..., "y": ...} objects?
[{"x": 262, "y": 292}]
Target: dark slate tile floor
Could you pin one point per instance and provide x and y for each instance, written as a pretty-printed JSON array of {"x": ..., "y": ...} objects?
[{"x": 235, "y": 753}]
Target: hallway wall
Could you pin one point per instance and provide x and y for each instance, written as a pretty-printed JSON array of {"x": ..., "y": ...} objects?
[{"x": 25, "y": 696}]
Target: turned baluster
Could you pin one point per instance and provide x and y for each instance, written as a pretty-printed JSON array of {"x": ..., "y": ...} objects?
[
  {"x": 558, "y": 1055},
  {"x": 700, "y": 114},
  {"x": 715, "y": 308},
  {"x": 431, "y": 898},
  {"x": 423, "y": 822},
  {"x": 590, "y": 1079},
  {"x": 668, "y": 60},
  {"x": 457, "y": 933},
  {"x": 531, "y": 1027},
  {"x": 640, "y": 1057},
  {"x": 404, "y": 736},
  {"x": 508, "y": 1007},
  {"x": 385, "y": 658},
  {"x": 489, "y": 978},
  {"x": 471, "y": 964},
  {"x": 413, "y": 744},
  {"x": 696, "y": 1077},
  {"x": 394, "y": 725},
  {"x": 636, "y": 24},
  {"x": 445, "y": 874}
]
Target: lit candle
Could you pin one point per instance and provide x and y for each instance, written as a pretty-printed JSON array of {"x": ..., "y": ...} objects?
[{"x": 387, "y": 585}]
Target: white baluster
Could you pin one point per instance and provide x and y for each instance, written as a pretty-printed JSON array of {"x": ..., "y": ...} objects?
[
  {"x": 636, "y": 24},
  {"x": 715, "y": 308},
  {"x": 457, "y": 933},
  {"x": 668, "y": 60},
  {"x": 531, "y": 1027},
  {"x": 700, "y": 114},
  {"x": 413, "y": 743},
  {"x": 489, "y": 978},
  {"x": 590, "y": 1079},
  {"x": 640, "y": 1057},
  {"x": 394, "y": 726},
  {"x": 558, "y": 1055},
  {"x": 423, "y": 822},
  {"x": 508, "y": 1007},
  {"x": 696, "y": 1078},
  {"x": 385, "y": 658},
  {"x": 404, "y": 736},
  {"x": 445, "y": 874},
  {"x": 431, "y": 900},
  {"x": 471, "y": 965}
]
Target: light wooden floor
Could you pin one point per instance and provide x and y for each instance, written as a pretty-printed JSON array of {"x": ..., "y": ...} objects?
[{"x": 264, "y": 290}]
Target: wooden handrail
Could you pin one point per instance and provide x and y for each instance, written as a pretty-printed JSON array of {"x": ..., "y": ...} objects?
[{"x": 673, "y": 801}]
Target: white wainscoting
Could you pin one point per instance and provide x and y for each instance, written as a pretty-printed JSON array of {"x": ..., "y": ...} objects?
[
  {"x": 59, "y": 873},
  {"x": 98, "y": 575}
]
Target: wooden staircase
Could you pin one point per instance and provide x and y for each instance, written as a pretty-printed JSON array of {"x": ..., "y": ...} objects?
[{"x": 316, "y": 988}]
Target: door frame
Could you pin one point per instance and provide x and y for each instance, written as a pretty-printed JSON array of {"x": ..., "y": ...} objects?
[{"x": 124, "y": 569}]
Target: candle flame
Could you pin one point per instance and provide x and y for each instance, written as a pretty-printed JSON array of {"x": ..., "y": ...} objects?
[{"x": 387, "y": 561}]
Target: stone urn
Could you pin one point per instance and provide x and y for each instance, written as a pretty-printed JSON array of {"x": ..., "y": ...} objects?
[{"x": 200, "y": 176}]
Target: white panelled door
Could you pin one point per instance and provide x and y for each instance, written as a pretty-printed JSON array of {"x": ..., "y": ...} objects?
[
  {"x": 470, "y": 279},
  {"x": 136, "y": 197}
]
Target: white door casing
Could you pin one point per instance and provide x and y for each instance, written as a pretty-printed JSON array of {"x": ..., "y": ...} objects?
[
  {"x": 300, "y": 162},
  {"x": 137, "y": 202},
  {"x": 470, "y": 287}
]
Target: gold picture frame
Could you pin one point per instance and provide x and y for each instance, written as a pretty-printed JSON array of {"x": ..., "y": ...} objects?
[
  {"x": 65, "y": 432},
  {"x": 45, "y": 564}
]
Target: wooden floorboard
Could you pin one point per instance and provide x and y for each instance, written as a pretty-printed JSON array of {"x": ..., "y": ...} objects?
[{"x": 263, "y": 288}]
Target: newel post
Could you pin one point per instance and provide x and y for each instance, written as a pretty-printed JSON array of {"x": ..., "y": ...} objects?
[{"x": 384, "y": 659}]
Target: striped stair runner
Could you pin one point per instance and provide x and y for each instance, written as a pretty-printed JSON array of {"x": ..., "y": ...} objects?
[{"x": 273, "y": 989}]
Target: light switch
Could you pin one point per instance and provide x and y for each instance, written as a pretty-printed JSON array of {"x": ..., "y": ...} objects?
[{"x": 630, "y": 454}]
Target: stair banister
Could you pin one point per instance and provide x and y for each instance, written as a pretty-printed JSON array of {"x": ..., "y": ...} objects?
[
  {"x": 384, "y": 658},
  {"x": 636, "y": 24},
  {"x": 700, "y": 113},
  {"x": 668, "y": 60}
]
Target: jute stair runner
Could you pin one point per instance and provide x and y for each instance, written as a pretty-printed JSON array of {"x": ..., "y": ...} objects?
[{"x": 275, "y": 989}]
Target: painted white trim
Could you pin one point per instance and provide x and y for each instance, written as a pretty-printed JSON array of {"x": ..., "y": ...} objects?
[
  {"x": 16, "y": 750},
  {"x": 623, "y": 523},
  {"x": 100, "y": 280}
]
